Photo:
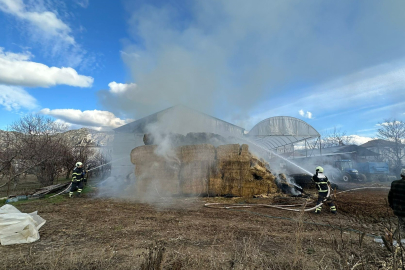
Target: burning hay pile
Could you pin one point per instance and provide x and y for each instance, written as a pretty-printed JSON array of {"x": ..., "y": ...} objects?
[{"x": 202, "y": 170}]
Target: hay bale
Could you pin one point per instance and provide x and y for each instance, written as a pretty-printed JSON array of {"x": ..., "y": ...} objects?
[
  {"x": 199, "y": 152},
  {"x": 233, "y": 162},
  {"x": 154, "y": 173},
  {"x": 198, "y": 161},
  {"x": 203, "y": 169},
  {"x": 233, "y": 152}
]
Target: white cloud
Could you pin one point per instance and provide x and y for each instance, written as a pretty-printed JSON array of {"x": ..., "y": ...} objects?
[
  {"x": 16, "y": 69},
  {"x": 45, "y": 21},
  {"x": 306, "y": 115},
  {"x": 83, "y": 3},
  {"x": 118, "y": 88},
  {"x": 94, "y": 118},
  {"x": 356, "y": 139},
  {"x": 15, "y": 98},
  {"x": 386, "y": 124}
]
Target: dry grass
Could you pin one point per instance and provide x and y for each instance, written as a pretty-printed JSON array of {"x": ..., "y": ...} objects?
[{"x": 90, "y": 233}]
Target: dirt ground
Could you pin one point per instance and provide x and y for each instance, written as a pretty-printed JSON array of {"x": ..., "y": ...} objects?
[{"x": 180, "y": 233}]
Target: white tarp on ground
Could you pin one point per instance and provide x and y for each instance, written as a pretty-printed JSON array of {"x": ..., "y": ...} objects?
[{"x": 17, "y": 227}]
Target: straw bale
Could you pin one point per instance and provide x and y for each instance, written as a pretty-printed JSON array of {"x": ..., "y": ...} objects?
[
  {"x": 155, "y": 172},
  {"x": 233, "y": 152},
  {"x": 147, "y": 154},
  {"x": 203, "y": 169},
  {"x": 161, "y": 177},
  {"x": 199, "y": 152},
  {"x": 197, "y": 163},
  {"x": 195, "y": 177},
  {"x": 144, "y": 154}
]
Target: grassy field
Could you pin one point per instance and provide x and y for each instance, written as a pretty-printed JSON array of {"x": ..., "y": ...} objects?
[{"x": 99, "y": 233}]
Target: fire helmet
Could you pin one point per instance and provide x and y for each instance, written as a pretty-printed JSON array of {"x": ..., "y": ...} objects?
[
  {"x": 78, "y": 164},
  {"x": 319, "y": 169}
]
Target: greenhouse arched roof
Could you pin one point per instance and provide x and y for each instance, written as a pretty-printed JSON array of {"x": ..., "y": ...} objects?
[{"x": 279, "y": 131}]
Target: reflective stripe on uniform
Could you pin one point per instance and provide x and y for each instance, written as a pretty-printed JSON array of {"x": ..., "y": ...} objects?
[
  {"x": 323, "y": 190},
  {"x": 333, "y": 208}
]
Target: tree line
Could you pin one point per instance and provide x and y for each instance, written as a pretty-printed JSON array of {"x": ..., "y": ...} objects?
[{"x": 36, "y": 145}]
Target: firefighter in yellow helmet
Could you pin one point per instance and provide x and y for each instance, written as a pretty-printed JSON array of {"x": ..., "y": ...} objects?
[
  {"x": 78, "y": 179},
  {"x": 322, "y": 183}
]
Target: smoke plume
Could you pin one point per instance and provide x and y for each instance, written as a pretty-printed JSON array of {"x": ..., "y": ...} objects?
[{"x": 227, "y": 57}]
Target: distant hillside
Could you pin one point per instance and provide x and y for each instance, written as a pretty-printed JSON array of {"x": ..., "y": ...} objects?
[
  {"x": 85, "y": 136},
  {"x": 79, "y": 137}
]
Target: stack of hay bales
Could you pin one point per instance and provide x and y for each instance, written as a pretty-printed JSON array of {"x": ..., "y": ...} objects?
[
  {"x": 197, "y": 166},
  {"x": 233, "y": 161},
  {"x": 260, "y": 172},
  {"x": 243, "y": 174},
  {"x": 203, "y": 170},
  {"x": 154, "y": 173}
]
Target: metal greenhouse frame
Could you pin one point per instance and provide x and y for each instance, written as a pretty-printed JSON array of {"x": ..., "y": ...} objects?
[{"x": 276, "y": 133}]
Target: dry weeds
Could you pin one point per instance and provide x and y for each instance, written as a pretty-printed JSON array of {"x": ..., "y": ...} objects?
[{"x": 88, "y": 233}]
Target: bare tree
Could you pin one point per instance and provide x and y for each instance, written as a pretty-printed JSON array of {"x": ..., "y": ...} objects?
[
  {"x": 393, "y": 130},
  {"x": 39, "y": 147},
  {"x": 336, "y": 137},
  {"x": 9, "y": 152}
]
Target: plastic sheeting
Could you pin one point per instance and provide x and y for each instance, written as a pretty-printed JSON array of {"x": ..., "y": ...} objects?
[
  {"x": 278, "y": 131},
  {"x": 17, "y": 227}
]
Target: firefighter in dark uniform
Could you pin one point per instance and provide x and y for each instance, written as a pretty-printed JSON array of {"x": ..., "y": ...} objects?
[
  {"x": 78, "y": 179},
  {"x": 396, "y": 200},
  {"x": 322, "y": 183}
]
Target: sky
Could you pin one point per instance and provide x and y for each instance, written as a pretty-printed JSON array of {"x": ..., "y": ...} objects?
[{"x": 102, "y": 64}]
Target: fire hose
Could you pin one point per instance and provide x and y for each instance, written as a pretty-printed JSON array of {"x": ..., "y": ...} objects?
[{"x": 283, "y": 207}]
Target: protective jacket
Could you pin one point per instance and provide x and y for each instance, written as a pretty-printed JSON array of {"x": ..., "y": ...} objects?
[
  {"x": 321, "y": 182},
  {"x": 78, "y": 175},
  {"x": 396, "y": 197}
]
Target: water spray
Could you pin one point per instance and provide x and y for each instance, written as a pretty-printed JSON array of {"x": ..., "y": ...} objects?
[{"x": 274, "y": 153}]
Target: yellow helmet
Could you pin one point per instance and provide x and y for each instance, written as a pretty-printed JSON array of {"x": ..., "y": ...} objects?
[
  {"x": 78, "y": 164},
  {"x": 319, "y": 169}
]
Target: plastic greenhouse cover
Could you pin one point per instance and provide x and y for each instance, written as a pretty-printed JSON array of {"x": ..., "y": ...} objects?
[
  {"x": 17, "y": 227},
  {"x": 278, "y": 131}
]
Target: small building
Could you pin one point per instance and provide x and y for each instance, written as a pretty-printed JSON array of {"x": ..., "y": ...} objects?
[{"x": 386, "y": 150}]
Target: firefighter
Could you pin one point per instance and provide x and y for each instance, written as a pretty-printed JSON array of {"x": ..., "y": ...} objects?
[
  {"x": 396, "y": 200},
  {"x": 322, "y": 183},
  {"x": 78, "y": 178}
]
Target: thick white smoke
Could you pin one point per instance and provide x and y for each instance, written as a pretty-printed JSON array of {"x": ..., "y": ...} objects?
[{"x": 228, "y": 58}]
